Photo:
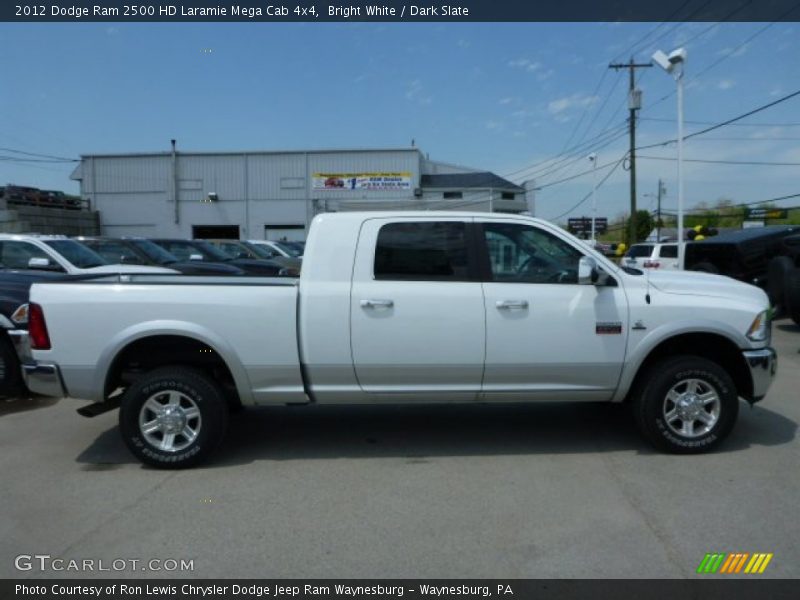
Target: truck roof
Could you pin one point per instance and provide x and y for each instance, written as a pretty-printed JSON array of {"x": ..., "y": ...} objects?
[
  {"x": 752, "y": 233},
  {"x": 423, "y": 214}
]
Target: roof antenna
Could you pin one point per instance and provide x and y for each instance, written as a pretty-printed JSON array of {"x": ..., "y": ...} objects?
[{"x": 647, "y": 294}]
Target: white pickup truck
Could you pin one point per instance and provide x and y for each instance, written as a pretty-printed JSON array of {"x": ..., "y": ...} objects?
[{"x": 406, "y": 307}]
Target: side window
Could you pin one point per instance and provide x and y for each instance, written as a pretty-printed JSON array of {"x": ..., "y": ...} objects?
[
  {"x": 15, "y": 255},
  {"x": 234, "y": 250},
  {"x": 426, "y": 251},
  {"x": 179, "y": 250},
  {"x": 525, "y": 254},
  {"x": 669, "y": 252},
  {"x": 116, "y": 253}
]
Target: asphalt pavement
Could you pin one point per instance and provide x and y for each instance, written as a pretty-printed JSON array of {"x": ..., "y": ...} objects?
[{"x": 533, "y": 491}]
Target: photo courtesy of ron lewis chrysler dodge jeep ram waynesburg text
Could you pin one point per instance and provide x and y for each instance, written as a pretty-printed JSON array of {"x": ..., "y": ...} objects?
[{"x": 405, "y": 308}]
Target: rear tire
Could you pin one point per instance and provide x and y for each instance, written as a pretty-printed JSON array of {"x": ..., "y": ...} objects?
[
  {"x": 792, "y": 294},
  {"x": 777, "y": 273},
  {"x": 173, "y": 417},
  {"x": 11, "y": 385},
  {"x": 686, "y": 405}
]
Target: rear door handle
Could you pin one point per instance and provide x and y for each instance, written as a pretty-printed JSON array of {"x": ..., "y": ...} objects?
[
  {"x": 377, "y": 303},
  {"x": 509, "y": 304}
]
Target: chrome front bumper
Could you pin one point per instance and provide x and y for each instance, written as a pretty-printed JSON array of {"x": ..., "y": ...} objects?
[
  {"x": 763, "y": 364},
  {"x": 40, "y": 378}
]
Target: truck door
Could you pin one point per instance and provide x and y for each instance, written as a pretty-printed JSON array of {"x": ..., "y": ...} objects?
[
  {"x": 546, "y": 335},
  {"x": 417, "y": 318}
]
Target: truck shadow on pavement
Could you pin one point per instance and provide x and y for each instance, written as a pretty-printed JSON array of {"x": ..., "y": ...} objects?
[
  {"x": 790, "y": 327},
  {"x": 422, "y": 433},
  {"x": 14, "y": 405}
]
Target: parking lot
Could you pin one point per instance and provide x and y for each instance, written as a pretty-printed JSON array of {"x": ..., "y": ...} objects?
[{"x": 477, "y": 491}]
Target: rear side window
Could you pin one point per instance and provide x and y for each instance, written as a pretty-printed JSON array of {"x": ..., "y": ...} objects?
[
  {"x": 668, "y": 252},
  {"x": 640, "y": 251},
  {"x": 426, "y": 251}
]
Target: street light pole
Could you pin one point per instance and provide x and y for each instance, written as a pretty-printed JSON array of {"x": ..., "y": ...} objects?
[
  {"x": 679, "y": 80},
  {"x": 675, "y": 65},
  {"x": 593, "y": 159}
]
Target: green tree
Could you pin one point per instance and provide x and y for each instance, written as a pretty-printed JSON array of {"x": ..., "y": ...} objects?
[{"x": 644, "y": 225}]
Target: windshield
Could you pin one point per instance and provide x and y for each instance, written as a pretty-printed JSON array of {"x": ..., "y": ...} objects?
[
  {"x": 155, "y": 252},
  {"x": 77, "y": 254},
  {"x": 261, "y": 251},
  {"x": 209, "y": 251},
  {"x": 293, "y": 249},
  {"x": 640, "y": 250}
]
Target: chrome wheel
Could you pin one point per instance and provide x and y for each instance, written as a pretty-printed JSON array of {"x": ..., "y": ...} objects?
[
  {"x": 169, "y": 421},
  {"x": 691, "y": 408}
]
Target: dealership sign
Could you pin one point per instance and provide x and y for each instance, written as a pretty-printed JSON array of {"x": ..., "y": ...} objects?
[
  {"x": 766, "y": 213},
  {"x": 381, "y": 182},
  {"x": 584, "y": 225}
]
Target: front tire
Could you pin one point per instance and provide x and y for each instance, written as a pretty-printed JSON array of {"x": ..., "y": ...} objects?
[
  {"x": 686, "y": 405},
  {"x": 173, "y": 417}
]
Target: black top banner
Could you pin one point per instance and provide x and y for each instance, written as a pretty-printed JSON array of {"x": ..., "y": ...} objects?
[{"x": 276, "y": 11}]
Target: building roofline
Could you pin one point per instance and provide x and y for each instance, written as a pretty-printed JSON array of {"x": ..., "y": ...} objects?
[{"x": 244, "y": 152}]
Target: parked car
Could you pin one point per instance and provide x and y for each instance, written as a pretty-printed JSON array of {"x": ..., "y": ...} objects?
[
  {"x": 141, "y": 251},
  {"x": 243, "y": 249},
  {"x": 60, "y": 254},
  {"x": 204, "y": 251},
  {"x": 407, "y": 307},
  {"x": 286, "y": 249},
  {"x": 662, "y": 256}
]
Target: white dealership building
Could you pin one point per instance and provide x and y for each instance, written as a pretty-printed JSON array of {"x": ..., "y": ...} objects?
[{"x": 274, "y": 195}]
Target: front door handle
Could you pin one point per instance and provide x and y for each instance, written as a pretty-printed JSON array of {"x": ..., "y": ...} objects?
[
  {"x": 377, "y": 303},
  {"x": 509, "y": 304}
]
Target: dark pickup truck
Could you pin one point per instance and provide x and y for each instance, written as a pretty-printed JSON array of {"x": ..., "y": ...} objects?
[
  {"x": 768, "y": 257},
  {"x": 15, "y": 287}
]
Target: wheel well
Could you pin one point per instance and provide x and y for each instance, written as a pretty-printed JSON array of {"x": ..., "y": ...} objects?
[
  {"x": 148, "y": 353},
  {"x": 712, "y": 346}
]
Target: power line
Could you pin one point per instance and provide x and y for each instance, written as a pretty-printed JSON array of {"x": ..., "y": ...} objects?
[
  {"x": 739, "y": 204},
  {"x": 38, "y": 155},
  {"x": 581, "y": 157},
  {"x": 587, "y": 196},
  {"x": 542, "y": 169},
  {"x": 728, "y": 122},
  {"x": 570, "y": 178},
  {"x": 727, "y": 162},
  {"x": 731, "y": 52},
  {"x": 713, "y": 123}
]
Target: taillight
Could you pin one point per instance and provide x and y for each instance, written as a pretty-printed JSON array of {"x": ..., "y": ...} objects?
[
  {"x": 651, "y": 264},
  {"x": 37, "y": 328}
]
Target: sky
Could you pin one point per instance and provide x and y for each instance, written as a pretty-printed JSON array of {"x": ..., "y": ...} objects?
[{"x": 503, "y": 97}]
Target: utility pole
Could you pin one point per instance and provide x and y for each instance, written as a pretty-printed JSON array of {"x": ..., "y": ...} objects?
[
  {"x": 661, "y": 191},
  {"x": 634, "y": 104}
]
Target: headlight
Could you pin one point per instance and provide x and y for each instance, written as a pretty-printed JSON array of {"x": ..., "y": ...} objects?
[{"x": 759, "y": 331}]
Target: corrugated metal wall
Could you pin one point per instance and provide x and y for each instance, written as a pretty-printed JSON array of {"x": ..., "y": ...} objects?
[{"x": 254, "y": 190}]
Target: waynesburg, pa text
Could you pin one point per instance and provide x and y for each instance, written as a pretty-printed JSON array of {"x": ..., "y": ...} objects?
[{"x": 255, "y": 590}]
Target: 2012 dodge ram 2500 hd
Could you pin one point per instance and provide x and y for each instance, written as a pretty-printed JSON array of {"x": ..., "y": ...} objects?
[{"x": 401, "y": 308}]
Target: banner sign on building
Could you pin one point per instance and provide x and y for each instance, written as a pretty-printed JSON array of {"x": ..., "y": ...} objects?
[{"x": 379, "y": 182}]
